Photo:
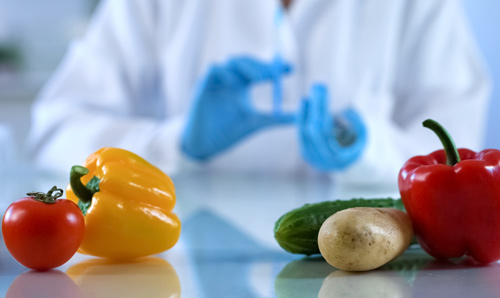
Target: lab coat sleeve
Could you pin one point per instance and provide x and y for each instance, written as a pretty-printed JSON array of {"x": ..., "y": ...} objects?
[
  {"x": 438, "y": 74},
  {"x": 97, "y": 97}
]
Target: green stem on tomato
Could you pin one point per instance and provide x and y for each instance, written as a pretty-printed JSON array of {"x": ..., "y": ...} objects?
[
  {"x": 47, "y": 198},
  {"x": 83, "y": 192},
  {"x": 452, "y": 156}
]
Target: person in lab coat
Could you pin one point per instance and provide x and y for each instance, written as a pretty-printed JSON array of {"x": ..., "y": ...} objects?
[{"x": 190, "y": 84}]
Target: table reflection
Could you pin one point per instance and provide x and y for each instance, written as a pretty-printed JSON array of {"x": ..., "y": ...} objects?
[
  {"x": 457, "y": 278},
  {"x": 145, "y": 277},
  {"x": 414, "y": 274},
  {"x": 227, "y": 262},
  {"x": 314, "y": 277},
  {"x": 302, "y": 278}
]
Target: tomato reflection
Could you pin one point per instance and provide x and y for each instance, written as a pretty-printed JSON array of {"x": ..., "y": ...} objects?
[
  {"x": 145, "y": 277},
  {"x": 51, "y": 283}
]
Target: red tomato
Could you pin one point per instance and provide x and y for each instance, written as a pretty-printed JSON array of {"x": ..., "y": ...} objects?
[{"x": 42, "y": 235}]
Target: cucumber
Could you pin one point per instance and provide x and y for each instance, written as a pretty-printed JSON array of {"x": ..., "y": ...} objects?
[{"x": 297, "y": 230}]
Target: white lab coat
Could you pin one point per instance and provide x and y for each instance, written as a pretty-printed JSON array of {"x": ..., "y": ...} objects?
[{"x": 129, "y": 82}]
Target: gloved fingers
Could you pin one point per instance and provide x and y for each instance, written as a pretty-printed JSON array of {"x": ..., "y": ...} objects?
[
  {"x": 265, "y": 120},
  {"x": 303, "y": 114},
  {"x": 358, "y": 129},
  {"x": 307, "y": 146},
  {"x": 312, "y": 143},
  {"x": 220, "y": 137},
  {"x": 324, "y": 155},
  {"x": 354, "y": 122},
  {"x": 349, "y": 127},
  {"x": 329, "y": 155},
  {"x": 346, "y": 154},
  {"x": 321, "y": 148},
  {"x": 303, "y": 121},
  {"x": 320, "y": 113},
  {"x": 284, "y": 118},
  {"x": 251, "y": 70},
  {"x": 191, "y": 142},
  {"x": 320, "y": 126},
  {"x": 280, "y": 66},
  {"x": 220, "y": 77},
  {"x": 319, "y": 139},
  {"x": 311, "y": 155}
]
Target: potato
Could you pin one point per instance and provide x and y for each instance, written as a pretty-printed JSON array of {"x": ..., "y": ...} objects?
[{"x": 359, "y": 239}]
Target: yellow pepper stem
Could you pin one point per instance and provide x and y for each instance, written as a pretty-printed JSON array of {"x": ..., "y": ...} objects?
[{"x": 83, "y": 192}]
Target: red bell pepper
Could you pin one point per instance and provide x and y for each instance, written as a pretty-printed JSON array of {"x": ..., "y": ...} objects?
[{"x": 453, "y": 199}]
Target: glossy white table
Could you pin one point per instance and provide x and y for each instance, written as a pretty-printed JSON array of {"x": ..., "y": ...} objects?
[{"x": 227, "y": 249}]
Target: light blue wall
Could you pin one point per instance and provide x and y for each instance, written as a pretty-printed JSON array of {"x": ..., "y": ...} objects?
[{"x": 484, "y": 17}]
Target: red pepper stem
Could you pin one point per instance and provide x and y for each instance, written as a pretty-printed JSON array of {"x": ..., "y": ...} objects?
[{"x": 452, "y": 156}]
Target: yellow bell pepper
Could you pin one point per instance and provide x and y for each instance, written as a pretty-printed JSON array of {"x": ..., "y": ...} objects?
[{"x": 127, "y": 203}]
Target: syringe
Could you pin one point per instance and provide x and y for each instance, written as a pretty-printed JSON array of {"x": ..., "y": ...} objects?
[{"x": 278, "y": 61}]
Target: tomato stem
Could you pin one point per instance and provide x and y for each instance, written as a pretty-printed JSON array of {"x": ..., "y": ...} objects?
[{"x": 47, "y": 198}]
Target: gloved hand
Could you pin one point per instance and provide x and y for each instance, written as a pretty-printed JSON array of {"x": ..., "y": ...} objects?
[
  {"x": 222, "y": 113},
  {"x": 329, "y": 143}
]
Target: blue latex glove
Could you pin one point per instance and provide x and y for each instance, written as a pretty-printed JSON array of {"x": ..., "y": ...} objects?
[
  {"x": 327, "y": 143},
  {"x": 222, "y": 113}
]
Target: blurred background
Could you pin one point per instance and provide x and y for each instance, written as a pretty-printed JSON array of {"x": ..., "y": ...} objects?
[{"x": 34, "y": 36}]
